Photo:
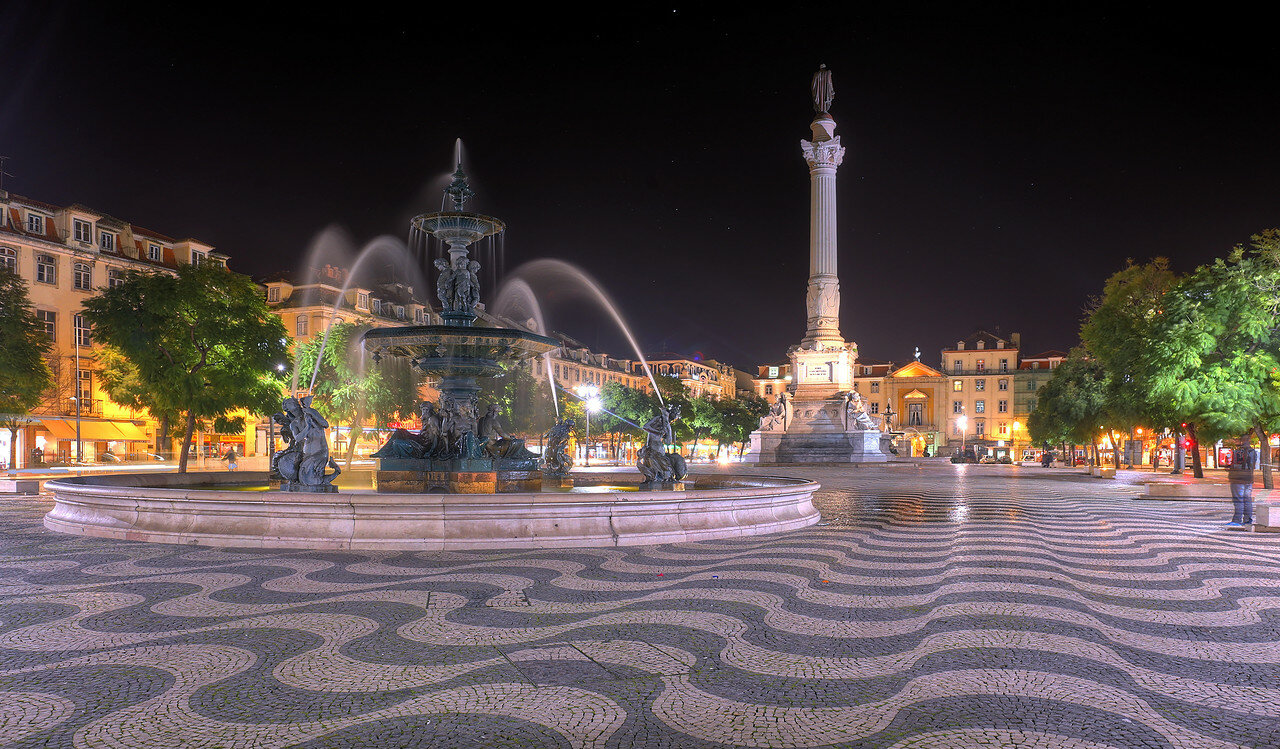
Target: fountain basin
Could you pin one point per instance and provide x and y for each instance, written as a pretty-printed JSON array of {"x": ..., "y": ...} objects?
[{"x": 214, "y": 509}]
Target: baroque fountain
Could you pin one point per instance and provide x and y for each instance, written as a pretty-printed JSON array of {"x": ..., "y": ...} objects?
[{"x": 458, "y": 483}]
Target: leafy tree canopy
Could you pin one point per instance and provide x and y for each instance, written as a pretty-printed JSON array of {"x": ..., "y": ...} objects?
[
  {"x": 203, "y": 341},
  {"x": 24, "y": 373}
]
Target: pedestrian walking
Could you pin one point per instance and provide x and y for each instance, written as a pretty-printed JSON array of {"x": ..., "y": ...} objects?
[
  {"x": 1244, "y": 460},
  {"x": 230, "y": 457}
]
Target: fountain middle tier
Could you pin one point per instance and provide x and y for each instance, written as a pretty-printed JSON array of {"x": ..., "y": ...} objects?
[{"x": 458, "y": 450}]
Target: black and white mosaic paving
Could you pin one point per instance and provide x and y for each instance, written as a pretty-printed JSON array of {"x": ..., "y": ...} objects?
[{"x": 947, "y": 606}]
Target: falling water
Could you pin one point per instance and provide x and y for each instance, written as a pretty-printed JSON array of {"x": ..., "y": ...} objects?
[
  {"x": 562, "y": 270},
  {"x": 408, "y": 272},
  {"x": 518, "y": 295}
]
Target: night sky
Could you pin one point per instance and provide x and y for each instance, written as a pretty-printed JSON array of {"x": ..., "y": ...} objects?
[{"x": 1001, "y": 163}]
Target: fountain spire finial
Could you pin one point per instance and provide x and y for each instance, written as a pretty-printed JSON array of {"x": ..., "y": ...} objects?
[{"x": 458, "y": 189}]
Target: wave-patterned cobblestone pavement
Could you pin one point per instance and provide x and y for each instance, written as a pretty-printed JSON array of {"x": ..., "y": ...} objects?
[{"x": 970, "y": 606}]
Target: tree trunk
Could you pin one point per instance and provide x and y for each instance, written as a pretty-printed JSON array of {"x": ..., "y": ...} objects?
[
  {"x": 163, "y": 444},
  {"x": 1264, "y": 456},
  {"x": 1197, "y": 469},
  {"x": 354, "y": 433},
  {"x": 1155, "y": 455},
  {"x": 1115, "y": 448},
  {"x": 13, "y": 448},
  {"x": 1131, "y": 447},
  {"x": 186, "y": 441}
]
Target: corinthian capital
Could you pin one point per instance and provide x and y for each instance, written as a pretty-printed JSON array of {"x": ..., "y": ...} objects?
[{"x": 823, "y": 153}]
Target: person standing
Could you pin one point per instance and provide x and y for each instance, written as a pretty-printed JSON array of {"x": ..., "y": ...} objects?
[
  {"x": 230, "y": 457},
  {"x": 1244, "y": 460}
]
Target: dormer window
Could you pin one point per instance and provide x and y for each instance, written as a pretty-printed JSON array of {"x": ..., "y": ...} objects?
[
  {"x": 106, "y": 241},
  {"x": 35, "y": 223},
  {"x": 197, "y": 257},
  {"x": 81, "y": 230},
  {"x": 154, "y": 253},
  {"x": 273, "y": 294},
  {"x": 400, "y": 311},
  {"x": 362, "y": 301},
  {"x": 982, "y": 344},
  {"x": 417, "y": 316}
]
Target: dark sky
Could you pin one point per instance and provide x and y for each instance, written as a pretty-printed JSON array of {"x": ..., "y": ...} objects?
[{"x": 1003, "y": 159}]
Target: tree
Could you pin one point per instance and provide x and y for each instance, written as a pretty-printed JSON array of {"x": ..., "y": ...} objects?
[
  {"x": 123, "y": 384},
  {"x": 739, "y": 417},
  {"x": 24, "y": 373},
  {"x": 1071, "y": 406},
  {"x": 349, "y": 388},
  {"x": 1214, "y": 353},
  {"x": 1116, "y": 331},
  {"x": 203, "y": 341}
]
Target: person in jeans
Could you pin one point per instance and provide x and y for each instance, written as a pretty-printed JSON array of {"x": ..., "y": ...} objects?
[{"x": 1244, "y": 459}]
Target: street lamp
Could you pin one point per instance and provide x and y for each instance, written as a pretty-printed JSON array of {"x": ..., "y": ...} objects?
[
  {"x": 590, "y": 402},
  {"x": 271, "y": 432},
  {"x": 963, "y": 422}
]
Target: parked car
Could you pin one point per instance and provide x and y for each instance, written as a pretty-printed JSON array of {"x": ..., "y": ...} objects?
[
  {"x": 1005, "y": 459},
  {"x": 987, "y": 459}
]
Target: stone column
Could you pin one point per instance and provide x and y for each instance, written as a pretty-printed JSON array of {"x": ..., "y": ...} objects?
[{"x": 824, "y": 154}]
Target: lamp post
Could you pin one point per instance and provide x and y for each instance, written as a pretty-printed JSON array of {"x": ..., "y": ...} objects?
[
  {"x": 76, "y": 398},
  {"x": 590, "y": 402},
  {"x": 271, "y": 432},
  {"x": 1013, "y": 443},
  {"x": 963, "y": 421}
]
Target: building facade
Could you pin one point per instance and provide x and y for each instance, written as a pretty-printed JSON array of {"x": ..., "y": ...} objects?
[{"x": 66, "y": 255}]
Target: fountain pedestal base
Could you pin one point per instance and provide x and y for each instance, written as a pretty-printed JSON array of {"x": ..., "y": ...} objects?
[{"x": 457, "y": 476}]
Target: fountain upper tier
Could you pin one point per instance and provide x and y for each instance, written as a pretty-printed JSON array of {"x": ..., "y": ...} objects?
[
  {"x": 447, "y": 350},
  {"x": 458, "y": 228}
]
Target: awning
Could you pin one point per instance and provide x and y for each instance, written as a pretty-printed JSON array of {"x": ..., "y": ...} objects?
[
  {"x": 95, "y": 431},
  {"x": 130, "y": 431}
]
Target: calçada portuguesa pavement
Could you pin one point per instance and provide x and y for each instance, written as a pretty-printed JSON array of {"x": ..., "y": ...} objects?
[{"x": 935, "y": 606}]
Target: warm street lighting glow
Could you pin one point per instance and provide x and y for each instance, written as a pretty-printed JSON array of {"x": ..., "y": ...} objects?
[{"x": 963, "y": 421}]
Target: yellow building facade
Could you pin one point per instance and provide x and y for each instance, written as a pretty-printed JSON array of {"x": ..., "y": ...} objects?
[{"x": 66, "y": 255}]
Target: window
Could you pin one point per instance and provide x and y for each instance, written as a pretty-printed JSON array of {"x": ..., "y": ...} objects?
[
  {"x": 768, "y": 389},
  {"x": 377, "y": 306},
  {"x": 1031, "y": 385},
  {"x": 915, "y": 414},
  {"x": 81, "y": 276},
  {"x": 982, "y": 344},
  {"x": 1035, "y": 365},
  {"x": 9, "y": 258},
  {"x": 301, "y": 327},
  {"x": 957, "y": 407},
  {"x": 1004, "y": 366},
  {"x": 198, "y": 257},
  {"x": 50, "y": 320},
  {"x": 875, "y": 387},
  {"x": 81, "y": 327},
  {"x": 875, "y": 407},
  {"x": 81, "y": 230},
  {"x": 115, "y": 277},
  {"x": 955, "y": 428},
  {"x": 979, "y": 384},
  {"x": 86, "y": 385},
  {"x": 417, "y": 316},
  {"x": 35, "y": 223},
  {"x": 1004, "y": 384},
  {"x": 957, "y": 385},
  {"x": 1004, "y": 429},
  {"x": 154, "y": 253},
  {"x": 979, "y": 406},
  {"x": 46, "y": 269},
  {"x": 273, "y": 294},
  {"x": 106, "y": 241},
  {"x": 1003, "y": 407},
  {"x": 979, "y": 428},
  {"x": 362, "y": 301},
  {"x": 957, "y": 366},
  {"x": 980, "y": 365}
]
